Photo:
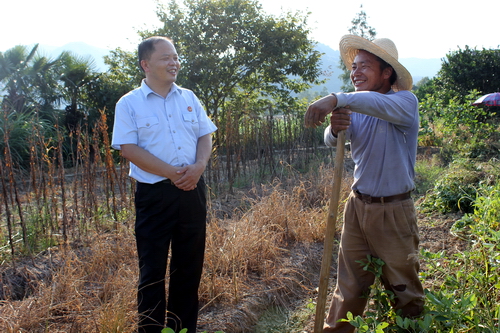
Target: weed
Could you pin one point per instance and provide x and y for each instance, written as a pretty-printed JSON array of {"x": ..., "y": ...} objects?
[
  {"x": 427, "y": 170},
  {"x": 455, "y": 190}
]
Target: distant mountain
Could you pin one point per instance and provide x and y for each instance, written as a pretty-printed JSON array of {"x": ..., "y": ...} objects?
[
  {"x": 419, "y": 68},
  {"x": 329, "y": 68},
  {"x": 80, "y": 49}
]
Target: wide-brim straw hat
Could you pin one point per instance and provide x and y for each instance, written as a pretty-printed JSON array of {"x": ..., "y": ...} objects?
[{"x": 383, "y": 48}]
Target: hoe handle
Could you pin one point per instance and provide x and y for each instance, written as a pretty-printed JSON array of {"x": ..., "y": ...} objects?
[{"x": 331, "y": 224}]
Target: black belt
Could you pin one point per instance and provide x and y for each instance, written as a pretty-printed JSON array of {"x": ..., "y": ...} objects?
[
  {"x": 164, "y": 181},
  {"x": 369, "y": 199}
]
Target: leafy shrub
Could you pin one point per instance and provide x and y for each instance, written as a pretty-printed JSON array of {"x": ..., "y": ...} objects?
[
  {"x": 464, "y": 296},
  {"x": 456, "y": 190},
  {"x": 486, "y": 215},
  {"x": 467, "y": 131}
]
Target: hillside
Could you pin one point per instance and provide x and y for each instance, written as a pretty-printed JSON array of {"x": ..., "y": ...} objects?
[{"x": 418, "y": 67}]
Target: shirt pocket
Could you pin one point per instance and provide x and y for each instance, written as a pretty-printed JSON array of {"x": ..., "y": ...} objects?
[
  {"x": 190, "y": 118},
  {"x": 147, "y": 123}
]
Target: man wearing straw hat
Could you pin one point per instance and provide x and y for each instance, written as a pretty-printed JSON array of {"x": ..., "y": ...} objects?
[{"x": 380, "y": 119}]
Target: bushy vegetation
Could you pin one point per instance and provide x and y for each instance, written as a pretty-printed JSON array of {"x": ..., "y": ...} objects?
[{"x": 463, "y": 293}]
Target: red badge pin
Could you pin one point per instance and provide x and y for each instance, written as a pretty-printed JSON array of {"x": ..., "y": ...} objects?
[{"x": 190, "y": 109}]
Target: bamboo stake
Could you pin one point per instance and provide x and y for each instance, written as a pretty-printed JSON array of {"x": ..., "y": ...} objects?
[{"x": 331, "y": 224}]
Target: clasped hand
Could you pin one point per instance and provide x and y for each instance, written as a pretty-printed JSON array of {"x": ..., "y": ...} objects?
[{"x": 189, "y": 176}]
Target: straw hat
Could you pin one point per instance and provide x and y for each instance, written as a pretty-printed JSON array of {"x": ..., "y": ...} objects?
[{"x": 383, "y": 48}]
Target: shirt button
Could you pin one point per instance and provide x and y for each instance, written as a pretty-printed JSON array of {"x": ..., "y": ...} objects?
[
  {"x": 147, "y": 124},
  {"x": 170, "y": 115},
  {"x": 179, "y": 148}
]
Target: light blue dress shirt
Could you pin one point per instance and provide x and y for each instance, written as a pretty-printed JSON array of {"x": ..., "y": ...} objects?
[{"x": 168, "y": 128}]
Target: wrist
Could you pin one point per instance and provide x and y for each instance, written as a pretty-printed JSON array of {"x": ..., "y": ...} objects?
[{"x": 335, "y": 100}]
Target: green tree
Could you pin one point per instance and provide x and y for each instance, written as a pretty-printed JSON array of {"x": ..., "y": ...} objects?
[
  {"x": 470, "y": 69},
  {"x": 29, "y": 83},
  {"x": 360, "y": 28},
  {"x": 123, "y": 76},
  {"x": 29, "y": 80},
  {"x": 464, "y": 76},
  {"x": 14, "y": 68},
  {"x": 124, "y": 68},
  {"x": 230, "y": 46}
]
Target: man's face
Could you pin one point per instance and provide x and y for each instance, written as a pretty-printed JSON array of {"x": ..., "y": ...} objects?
[
  {"x": 366, "y": 74},
  {"x": 163, "y": 65}
]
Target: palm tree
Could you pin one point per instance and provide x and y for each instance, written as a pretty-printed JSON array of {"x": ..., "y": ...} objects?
[
  {"x": 14, "y": 65},
  {"x": 76, "y": 74},
  {"x": 28, "y": 79}
]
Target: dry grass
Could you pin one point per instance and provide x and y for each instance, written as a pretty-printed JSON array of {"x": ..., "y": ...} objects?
[
  {"x": 265, "y": 252},
  {"x": 68, "y": 261},
  {"x": 88, "y": 289}
]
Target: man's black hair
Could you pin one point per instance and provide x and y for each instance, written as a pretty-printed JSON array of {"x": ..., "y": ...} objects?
[{"x": 147, "y": 47}]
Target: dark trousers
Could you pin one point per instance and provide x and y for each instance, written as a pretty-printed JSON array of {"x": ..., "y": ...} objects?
[{"x": 167, "y": 216}]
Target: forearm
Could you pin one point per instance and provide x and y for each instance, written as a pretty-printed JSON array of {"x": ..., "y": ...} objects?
[
  {"x": 190, "y": 174},
  {"x": 148, "y": 162},
  {"x": 204, "y": 150},
  {"x": 317, "y": 111}
]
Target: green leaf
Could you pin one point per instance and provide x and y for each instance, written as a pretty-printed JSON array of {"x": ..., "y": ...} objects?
[{"x": 167, "y": 330}]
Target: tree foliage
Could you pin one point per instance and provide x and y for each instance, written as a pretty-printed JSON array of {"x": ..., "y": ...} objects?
[
  {"x": 470, "y": 69},
  {"x": 77, "y": 74},
  {"x": 447, "y": 114},
  {"x": 124, "y": 68},
  {"x": 29, "y": 80},
  {"x": 42, "y": 93},
  {"x": 34, "y": 82},
  {"x": 231, "y": 46}
]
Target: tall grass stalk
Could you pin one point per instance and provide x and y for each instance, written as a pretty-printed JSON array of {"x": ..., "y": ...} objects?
[{"x": 70, "y": 207}]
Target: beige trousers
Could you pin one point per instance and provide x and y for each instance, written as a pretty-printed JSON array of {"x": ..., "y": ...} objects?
[{"x": 387, "y": 231}]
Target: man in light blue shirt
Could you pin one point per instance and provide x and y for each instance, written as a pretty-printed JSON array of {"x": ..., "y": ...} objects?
[
  {"x": 165, "y": 133},
  {"x": 381, "y": 122}
]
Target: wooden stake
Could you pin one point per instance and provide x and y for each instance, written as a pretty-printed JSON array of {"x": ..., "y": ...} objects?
[{"x": 331, "y": 225}]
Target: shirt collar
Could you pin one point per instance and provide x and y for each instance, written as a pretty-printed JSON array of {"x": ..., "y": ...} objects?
[{"x": 146, "y": 90}]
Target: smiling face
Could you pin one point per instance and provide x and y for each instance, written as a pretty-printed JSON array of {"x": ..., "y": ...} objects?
[
  {"x": 162, "y": 66},
  {"x": 367, "y": 75}
]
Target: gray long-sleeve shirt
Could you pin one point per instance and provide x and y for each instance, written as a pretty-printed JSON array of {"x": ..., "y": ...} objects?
[{"x": 383, "y": 136}]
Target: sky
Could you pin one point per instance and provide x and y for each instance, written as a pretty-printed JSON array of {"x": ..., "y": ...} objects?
[{"x": 419, "y": 28}]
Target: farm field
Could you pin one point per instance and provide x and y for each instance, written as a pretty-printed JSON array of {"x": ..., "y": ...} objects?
[{"x": 263, "y": 257}]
